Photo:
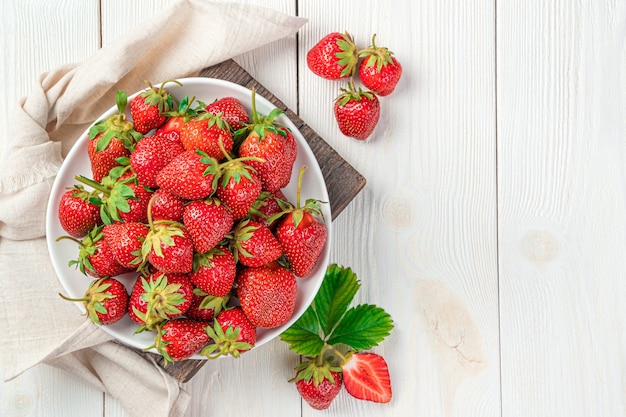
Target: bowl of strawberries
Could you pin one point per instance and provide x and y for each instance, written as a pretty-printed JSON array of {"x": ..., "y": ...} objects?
[{"x": 191, "y": 220}]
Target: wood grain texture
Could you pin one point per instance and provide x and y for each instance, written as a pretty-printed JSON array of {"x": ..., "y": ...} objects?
[
  {"x": 422, "y": 234},
  {"x": 562, "y": 195}
]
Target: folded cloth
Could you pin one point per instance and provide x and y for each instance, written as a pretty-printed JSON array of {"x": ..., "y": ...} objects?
[{"x": 36, "y": 325}]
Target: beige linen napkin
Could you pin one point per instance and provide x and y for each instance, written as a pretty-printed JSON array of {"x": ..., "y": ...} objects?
[{"x": 36, "y": 325}]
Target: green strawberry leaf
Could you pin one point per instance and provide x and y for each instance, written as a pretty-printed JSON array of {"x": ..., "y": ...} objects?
[
  {"x": 335, "y": 295},
  {"x": 303, "y": 336},
  {"x": 362, "y": 327}
]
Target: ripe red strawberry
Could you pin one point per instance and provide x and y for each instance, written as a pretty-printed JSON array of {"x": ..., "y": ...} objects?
[
  {"x": 204, "y": 306},
  {"x": 147, "y": 108},
  {"x": 137, "y": 203},
  {"x": 301, "y": 235},
  {"x": 254, "y": 244},
  {"x": 318, "y": 384},
  {"x": 333, "y": 57},
  {"x": 272, "y": 148},
  {"x": 159, "y": 297},
  {"x": 238, "y": 187},
  {"x": 167, "y": 246},
  {"x": 125, "y": 240},
  {"x": 176, "y": 119},
  {"x": 356, "y": 112},
  {"x": 167, "y": 206},
  {"x": 180, "y": 339},
  {"x": 105, "y": 301},
  {"x": 267, "y": 294},
  {"x": 95, "y": 257},
  {"x": 214, "y": 271},
  {"x": 231, "y": 110},
  {"x": 150, "y": 156},
  {"x": 208, "y": 221},
  {"x": 77, "y": 214},
  {"x": 205, "y": 132},
  {"x": 110, "y": 139},
  {"x": 267, "y": 205},
  {"x": 190, "y": 175},
  {"x": 232, "y": 334},
  {"x": 366, "y": 377},
  {"x": 379, "y": 71}
]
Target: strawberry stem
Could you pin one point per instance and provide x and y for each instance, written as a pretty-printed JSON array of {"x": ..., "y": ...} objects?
[
  {"x": 78, "y": 242},
  {"x": 300, "y": 175}
]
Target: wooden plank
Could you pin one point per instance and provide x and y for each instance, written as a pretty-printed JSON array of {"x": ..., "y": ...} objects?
[
  {"x": 561, "y": 159},
  {"x": 422, "y": 234},
  {"x": 36, "y": 37}
]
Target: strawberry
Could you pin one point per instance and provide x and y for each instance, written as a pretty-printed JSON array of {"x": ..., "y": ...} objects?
[
  {"x": 379, "y": 71},
  {"x": 147, "y": 108},
  {"x": 95, "y": 257},
  {"x": 208, "y": 221},
  {"x": 266, "y": 205},
  {"x": 125, "y": 241},
  {"x": 167, "y": 206},
  {"x": 333, "y": 57},
  {"x": 232, "y": 334},
  {"x": 214, "y": 271},
  {"x": 159, "y": 297},
  {"x": 318, "y": 384},
  {"x": 231, "y": 110},
  {"x": 204, "y": 306},
  {"x": 150, "y": 156},
  {"x": 167, "y": 246},
  {"x": 77, "y": 214},
  {"x": 176, "y": 120},
  {"x": 138, "y": 203},
  {"x": 238, "y": 187},
  {"x": 254, "y": 244},
  {"x": 273, "y": 148},
  {"x": 205, "y": 132},
  {"x": 110, "y": 139},
  {"x": 300, "y": 234},
  {"x": 105, "y": 301},
  {"x": 190, "y": 175},
  {"x": 180, "y": 339},
  {"x": 267, "y": 294},
  {"x": 356, "y": 112},
  {"x": 366, "y": 377}
]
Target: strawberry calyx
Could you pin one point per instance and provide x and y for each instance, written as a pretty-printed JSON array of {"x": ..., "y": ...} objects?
[
  {"x": 93, "y": 299},
  {"x": 241, "y": 233},
  {"x": 160, "y": 97},
  {"x": 185, "y": 110},
  {"x": 162, "y": 300},
  {"x": 297, "y": 212},
  {"x": 115, "y": 126},
  {"x": 348, "y": 55},
  {"x": 316, "y": 369},
  {"x": 260, "y": 123},
  {"x": 211, "y": 302},
  {"x": 351, "y": 93},
  {"x": 86, "y": 248},
  {"x": 225, "y": 342},
  {"x": 378, "y": 56}
]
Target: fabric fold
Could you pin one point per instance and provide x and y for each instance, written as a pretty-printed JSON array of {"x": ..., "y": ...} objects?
[{"x": 37, "y": 325}]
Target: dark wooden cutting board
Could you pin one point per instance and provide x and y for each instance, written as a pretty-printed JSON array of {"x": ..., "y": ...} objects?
[{"x": 342, "y": 180}]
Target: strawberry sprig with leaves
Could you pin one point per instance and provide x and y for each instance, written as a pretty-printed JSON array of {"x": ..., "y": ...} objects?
[{"x": 334, "y": 338}]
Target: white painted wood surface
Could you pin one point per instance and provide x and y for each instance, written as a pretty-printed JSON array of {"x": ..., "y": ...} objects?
[{"x": 491, "y": 226}]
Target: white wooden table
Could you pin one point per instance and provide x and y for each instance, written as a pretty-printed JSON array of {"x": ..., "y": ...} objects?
[{"x": 492, "y": 225}]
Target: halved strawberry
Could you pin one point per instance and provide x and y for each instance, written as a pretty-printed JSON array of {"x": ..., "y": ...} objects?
[{"x": 366, "y": 377}]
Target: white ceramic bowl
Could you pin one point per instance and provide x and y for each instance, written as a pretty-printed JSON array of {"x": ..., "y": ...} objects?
[{"x": 77, "y": 162}]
